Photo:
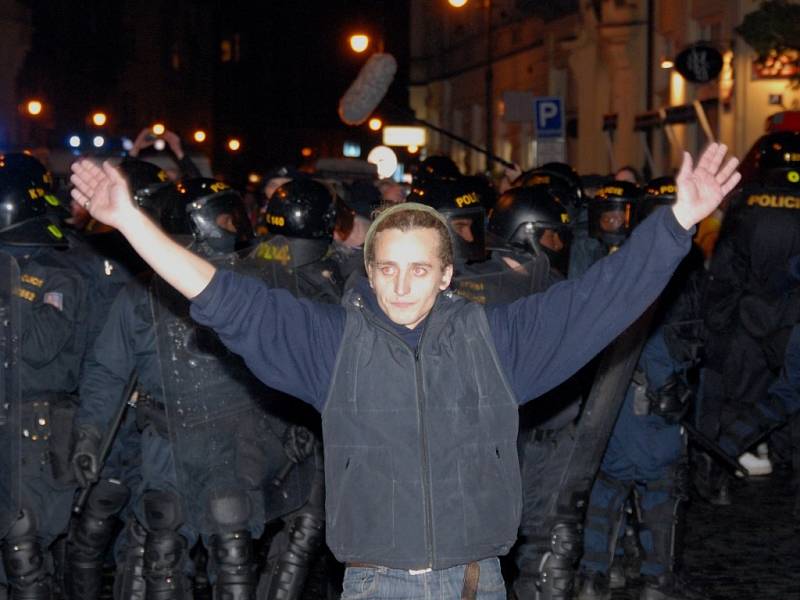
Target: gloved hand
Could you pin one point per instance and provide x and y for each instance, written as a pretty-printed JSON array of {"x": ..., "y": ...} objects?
[
  {"x": 86, "y": 456},
  {"x": 298, "y": 443}
]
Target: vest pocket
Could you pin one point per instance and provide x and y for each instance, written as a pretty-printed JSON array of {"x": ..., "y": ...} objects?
[
  {"x": 486, "y": 493},
  {"x": 361, "y": 500}
]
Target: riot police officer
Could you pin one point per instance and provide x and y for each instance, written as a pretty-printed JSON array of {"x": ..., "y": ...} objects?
[
  {"x": 300, "y": 216},
  {"x": 534, "y": 219},
  {"x": 297, "y": 256},
  {"x": 751, "y": 302},
  {"x": 108, "y": 263},
  {"x": 645, "y": 459},
  {"x": 53, "y": 308},
  {"x": 205, "y": 455},
  {"x": 499, "y": 276}
]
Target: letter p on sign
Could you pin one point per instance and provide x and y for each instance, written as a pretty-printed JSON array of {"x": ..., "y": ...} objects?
[{"x": 549, "y": 116}]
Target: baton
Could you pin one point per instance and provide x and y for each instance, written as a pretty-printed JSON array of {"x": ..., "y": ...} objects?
[
  {"x": 108, "y": 439},
  {"x": 713, "y": 448}
]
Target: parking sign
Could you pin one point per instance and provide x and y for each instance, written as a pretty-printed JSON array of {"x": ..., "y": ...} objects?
[{"x": 549, "y": 115}]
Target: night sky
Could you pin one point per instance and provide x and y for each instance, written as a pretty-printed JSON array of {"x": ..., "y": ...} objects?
[{"x": 295, "y": 62}]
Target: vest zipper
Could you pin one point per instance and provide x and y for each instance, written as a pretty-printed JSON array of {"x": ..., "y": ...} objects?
[
  {"x": 426, "y": 474},
  {"x": 426, "y": 470}
]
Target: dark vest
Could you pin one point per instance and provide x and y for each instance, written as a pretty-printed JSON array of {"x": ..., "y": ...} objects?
[{"x": 420, "y": 448}]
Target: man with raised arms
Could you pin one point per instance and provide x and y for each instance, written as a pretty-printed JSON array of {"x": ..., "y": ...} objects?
[{"x": 417, "y": 387}]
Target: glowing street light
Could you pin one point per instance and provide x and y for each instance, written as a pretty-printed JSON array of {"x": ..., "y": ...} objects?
[
  {"x": 306, "y": 152},
  {"x": 159, "y": 128},
  {"x": 98, "y": 141},
  {"x": 199, "y": 136},
  {"x": 34, "y": 107},
  {"x": 457, "y": 3},
  {"x": 375, "y": 124},
  {"x": 359, "y": 42},
  {"x": 234, "y": 144},
  {"x": 413, "y": 149},
  {"x": 99, "y": 118},
  {"x": 75, "y": 141}
]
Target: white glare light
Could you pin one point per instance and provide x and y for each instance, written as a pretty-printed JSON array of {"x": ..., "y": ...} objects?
[
  {"x": 98, "y": 141},
  {"x": 127, "y": 144},
  {"x": 75, "y": 141},
  {"x": 159, "y": 144}
]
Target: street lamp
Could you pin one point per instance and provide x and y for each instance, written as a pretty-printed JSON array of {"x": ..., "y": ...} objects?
[
  {"x": 159, "y": 128},
  {"x": 457, "y": 3},
  {"x": 375, "y": 124},
  {"x": 99, "y": 118},
  {"x": 34, "y": 107},
  {"x": 199, "y": 136},
  {"x": 359, "y": 42},
  {"x": 234, "y": 144}
]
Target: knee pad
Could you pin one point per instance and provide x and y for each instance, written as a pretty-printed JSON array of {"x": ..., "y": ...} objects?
[
  {"x": 24, "y": 560},
  {"x": 93, "y": 530},
  {"x": 229, "y": 511},
  {"x": 25, "y": 525},
  {"x": 162, "y": 511},
  {"x": 107, "y": 498}
]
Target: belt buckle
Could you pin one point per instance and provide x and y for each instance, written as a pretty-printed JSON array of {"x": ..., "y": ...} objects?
[{"x": 419, "y": 571}]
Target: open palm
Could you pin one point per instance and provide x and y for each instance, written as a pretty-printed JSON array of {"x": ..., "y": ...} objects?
[
  {"x": 701, "y": 188},
  {"x": 102, "y": 191}
]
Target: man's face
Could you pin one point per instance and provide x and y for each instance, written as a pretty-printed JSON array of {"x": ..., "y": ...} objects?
[
  {"x": 611, "y": 221},
  {"x": 407, "y": 274},
  {"x": 463, "y": 228},
  {"x": 551, "y": 240}
]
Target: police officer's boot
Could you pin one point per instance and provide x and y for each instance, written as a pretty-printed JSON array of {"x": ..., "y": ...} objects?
[
  {"x": 164, "y": 548},
  {"x": 24, "y": 561},
  {"x": 593, "y": 586},
  {"x": 89, "y": 537},
  {"x": 302, "y": 538},
  {"x": 232, "y": 546},
  {"x": 668, "y": 587},
  {"x": 129, "y": 580},
  {"x": 236, "y": 573},
  {"x": 556, "y": 577}
]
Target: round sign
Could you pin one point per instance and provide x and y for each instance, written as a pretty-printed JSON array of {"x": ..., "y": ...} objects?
[
  {"x": 384, "y": 159},
  {"x": 699, "y": 63}
]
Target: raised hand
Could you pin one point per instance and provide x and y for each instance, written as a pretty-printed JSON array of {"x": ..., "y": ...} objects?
[
  {"x": 101, "y": 191},
  {"x": 702, "y": 188}
]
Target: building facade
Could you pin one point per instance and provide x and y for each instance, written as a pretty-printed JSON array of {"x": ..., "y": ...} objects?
[{"x": 608, "y": 62}]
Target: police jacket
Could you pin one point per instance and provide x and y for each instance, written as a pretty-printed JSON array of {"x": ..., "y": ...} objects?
[
  {"x": 436, "y": 416},
  {"x": 54, "y": 320}
]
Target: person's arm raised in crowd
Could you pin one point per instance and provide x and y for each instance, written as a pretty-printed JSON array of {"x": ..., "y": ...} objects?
[
  {"x": 104, "y": 193},
  {"x": 543, "y": 338}
]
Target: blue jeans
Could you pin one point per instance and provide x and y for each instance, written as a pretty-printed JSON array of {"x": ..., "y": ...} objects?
[{"x": 382, "y": 583}]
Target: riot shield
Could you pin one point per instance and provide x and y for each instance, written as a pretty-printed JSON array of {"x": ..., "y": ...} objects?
[
  {"x": 494, "y": 282},
  {"x": 598, "y": 417},
  {"x": 10, "y": 434},
  {"x": 298, "y": 266},
  {"x": 224, "y": 441}
]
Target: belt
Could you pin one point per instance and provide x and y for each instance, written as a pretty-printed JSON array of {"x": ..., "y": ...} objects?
[{"x": 469, "y": 590}]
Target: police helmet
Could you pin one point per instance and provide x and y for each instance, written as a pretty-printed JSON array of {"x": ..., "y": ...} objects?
[
  {"x": 27, "y": 168},
  {"x": 556, "y": 175},
  {"x": 774, "y": 160},
  {"x": 661, "y": 191},
  {"x": 534, "y": 219},
  {"x": 460, "y": 201},
  {"x": 23, "y": 218},
  {"x": 209, "y": 211},
  {"x": 438, "y": 167},
  {"x": 611, "y": 212},
  {"x": 302, "y": 208},
  {"x": 144, "y": 180}
]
